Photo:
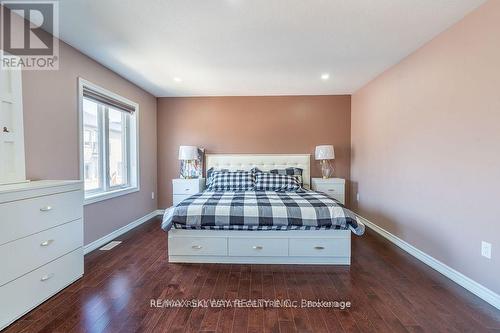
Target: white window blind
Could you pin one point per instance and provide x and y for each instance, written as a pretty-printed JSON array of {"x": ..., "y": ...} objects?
[{"x": 110, "y": 101}]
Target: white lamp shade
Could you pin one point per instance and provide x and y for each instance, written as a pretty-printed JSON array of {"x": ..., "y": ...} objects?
[
  {"x": 325, "y": 152},
  {"x": 188, "y": 153}
]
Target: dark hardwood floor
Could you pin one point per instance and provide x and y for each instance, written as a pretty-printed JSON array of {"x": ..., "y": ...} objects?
[{"x": 389, "y": 290}]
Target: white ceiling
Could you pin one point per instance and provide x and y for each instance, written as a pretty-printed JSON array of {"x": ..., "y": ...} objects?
[{"x": 253, "y": 47}]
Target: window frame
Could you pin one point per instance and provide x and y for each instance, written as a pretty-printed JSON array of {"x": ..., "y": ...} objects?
[
  {"x": 132, "y": 147},
  {"x": 125, "y": 144}
]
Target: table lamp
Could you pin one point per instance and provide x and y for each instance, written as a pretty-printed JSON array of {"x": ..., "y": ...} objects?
[
  {"x": 188, "y": 154},
  {"x": 325, "y": 153}
]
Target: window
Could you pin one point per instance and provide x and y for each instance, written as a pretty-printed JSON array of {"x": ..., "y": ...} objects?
[{"x": 108, "y": 131}]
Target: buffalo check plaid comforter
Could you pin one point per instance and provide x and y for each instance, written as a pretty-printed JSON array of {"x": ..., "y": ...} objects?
[{"x": 261, "y": 210}]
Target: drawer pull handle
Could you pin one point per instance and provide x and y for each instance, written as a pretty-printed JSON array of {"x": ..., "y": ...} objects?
[
  {"x": 319, "y": 248},
  {"x": 186, "y": 189},
  {"x": 331, "y": 190},
  {"x": 47, "y": 242},
  {"x": 257, "y": 247},
  {"x": 46, "y": 209},
  {"x": 196, "y": 247},
  {"x": 46, "y": 277}
]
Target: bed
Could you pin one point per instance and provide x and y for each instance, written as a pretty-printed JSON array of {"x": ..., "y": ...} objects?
[{"x": 261, "y": 227}]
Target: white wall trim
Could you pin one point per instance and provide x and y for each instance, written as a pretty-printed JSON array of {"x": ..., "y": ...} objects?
[
  {"x": 109, "y": 195},
  {"x": 464, "y": 281},
  {"x": 109, "y": 237}
]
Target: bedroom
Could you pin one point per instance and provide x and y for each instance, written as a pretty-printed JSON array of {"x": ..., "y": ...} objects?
[{"x": 394, "y": 102}]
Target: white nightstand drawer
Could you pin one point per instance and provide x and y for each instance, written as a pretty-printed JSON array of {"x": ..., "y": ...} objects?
[
  {"x": 26, "y": 217},
  {"x": 337, "y": 195},
  {"x": 304, "y": 247},
  {"x": 179, "y": 197},
  {"x": 188, "y": 246},
  {"x": 247, "y": 247},
  {"x": 330, "y": 189},
  {"x": 188, "y": 186},
  {"x": 333, "y": 187},
  {"x": 38, "y": 249},
  {"x": 329, "y": 181}
]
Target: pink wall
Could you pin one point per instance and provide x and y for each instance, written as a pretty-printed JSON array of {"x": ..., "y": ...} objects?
[
  {"x": 51, "y": 136},
  {"x": 425, "y": 156},
  {"x": 270, "y": 124}
]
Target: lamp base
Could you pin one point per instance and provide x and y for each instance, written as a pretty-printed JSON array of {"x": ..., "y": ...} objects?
[
  {"x": 187, "y": 169},
  {"x": 326, "y": 169}
]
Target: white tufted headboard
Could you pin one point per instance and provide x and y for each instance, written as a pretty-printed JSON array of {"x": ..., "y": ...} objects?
[{"x": 264, "y": 162}]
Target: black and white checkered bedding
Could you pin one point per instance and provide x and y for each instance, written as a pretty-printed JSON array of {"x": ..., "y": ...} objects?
[
  {"x": 291, "y": 171},
  {"x": 273, "y": 182},
  {"x": 261, "y": 210},
  {"x": 231, "y": 181}
]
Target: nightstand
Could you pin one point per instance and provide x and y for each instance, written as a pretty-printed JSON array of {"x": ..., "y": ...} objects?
[
  {"x": 333, "y": 187},
  {"x": 184, "y": 188}
]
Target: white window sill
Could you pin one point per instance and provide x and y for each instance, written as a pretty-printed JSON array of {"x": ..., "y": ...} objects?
[{"x": 109, "y": 195}]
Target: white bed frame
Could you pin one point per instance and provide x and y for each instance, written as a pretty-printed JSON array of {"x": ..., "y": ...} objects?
[{"x": 260, "y": 247}]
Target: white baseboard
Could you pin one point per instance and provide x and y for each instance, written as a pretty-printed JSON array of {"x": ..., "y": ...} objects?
[
  {"x": 109, "y": 237},
  {"x": 469, "y": 284}
]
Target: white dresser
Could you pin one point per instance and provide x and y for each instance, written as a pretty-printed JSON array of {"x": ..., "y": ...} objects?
[
  {"x": 184, "y": 188},
  {"x": 41, "y": 243},
  {"x": 333, "y": 187}
]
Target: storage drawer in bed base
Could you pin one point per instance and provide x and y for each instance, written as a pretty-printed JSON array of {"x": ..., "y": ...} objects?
[
  {"x": 261, "y": 260},
  {"x": 260, "y": 247}
]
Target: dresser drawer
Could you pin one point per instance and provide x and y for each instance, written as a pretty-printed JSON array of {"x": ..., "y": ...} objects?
[
  {"x": 38, "y": 249},
  {"x": 187, "y": 246},
  {"x": 263, "y": 247},
  {"x": 187, "y": 186},
  {"x": 23, "y": 294},
  {"x": 26, "y": 217},
  {"x": 328, "y": 247}
]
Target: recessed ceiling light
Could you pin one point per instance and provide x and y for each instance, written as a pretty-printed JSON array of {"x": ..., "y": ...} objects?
[
  {"x": 325, "y": 76},
  {"x": 177, "y": 79}
]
